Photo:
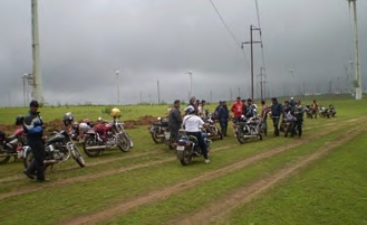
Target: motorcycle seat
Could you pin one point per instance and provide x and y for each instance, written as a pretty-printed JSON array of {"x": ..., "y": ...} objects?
[{"x": 193, "y": 139}]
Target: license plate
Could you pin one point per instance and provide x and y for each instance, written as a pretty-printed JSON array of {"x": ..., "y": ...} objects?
[{"x": 180, "y": 148}]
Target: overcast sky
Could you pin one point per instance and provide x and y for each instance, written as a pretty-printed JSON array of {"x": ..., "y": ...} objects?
[{"x": 83, "y": 43}]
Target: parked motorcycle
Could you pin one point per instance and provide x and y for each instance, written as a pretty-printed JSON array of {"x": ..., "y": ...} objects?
[
  {"x": 157, "y": 130},
  {"x": 248, "y": 129},
  {"x": 12, "y": 146},
  {"x": 212, "y": 131},
  {"x": 58, "y": 148},
  {"x": 106, "y": 136},
  {"x": 188, "y": 147}
]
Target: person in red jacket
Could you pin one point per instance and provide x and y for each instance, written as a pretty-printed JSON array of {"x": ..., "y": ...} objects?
[{"x": 236, "y": 109}]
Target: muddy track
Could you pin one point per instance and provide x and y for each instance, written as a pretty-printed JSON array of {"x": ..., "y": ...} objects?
[
  {"x": 245, "y": 194},
  {"x": 153, "y": 196},
  {"x": 27, "y": 189},
  {"x": 96, "y": 163}
]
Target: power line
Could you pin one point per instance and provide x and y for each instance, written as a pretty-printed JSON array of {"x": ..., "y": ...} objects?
[
  {"x": 236, "y": 41},
  {"x": 224, "y": 23},
  {"x": 259, "y": 25}
]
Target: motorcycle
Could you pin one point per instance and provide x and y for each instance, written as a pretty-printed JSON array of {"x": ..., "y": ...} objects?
[
  {"x": 158, "y": 129},
  {"x": 188, "y": 147},
  {"x": 106, "y": 136},
  {"x": 58, "y": 148},
  {"x": 12, "y": 146},
  {"x": 212, "y": 131},
  {"x": 247, "y": 129}
]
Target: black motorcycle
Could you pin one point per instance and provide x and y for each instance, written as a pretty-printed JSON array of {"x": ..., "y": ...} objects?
[
  {"x": 58, "y": 148},
  {"x": 157, "y": 130},
  {"x": 188, "y": 147}
]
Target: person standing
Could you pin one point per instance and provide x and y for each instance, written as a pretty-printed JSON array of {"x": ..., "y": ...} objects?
[
  {"x": 237, "y": 110},
  {"x": 223, "y": 117},
  {"x": 276, "y": 111},
  {"x": 298, "y": 113},
  {"x": 175, "y": 119},
  {"x": 33, "y": 128},
  {"x": 264, "y": 116}
]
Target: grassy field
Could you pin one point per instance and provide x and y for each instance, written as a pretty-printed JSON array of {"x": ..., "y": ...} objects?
[{"x": 149, "y": 186}]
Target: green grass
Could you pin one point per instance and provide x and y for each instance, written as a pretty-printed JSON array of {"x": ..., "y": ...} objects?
[
  {"x": 197, "y": 198},
  {"x": 63, "y": 201},
  {"x": 333, "y": 191}
]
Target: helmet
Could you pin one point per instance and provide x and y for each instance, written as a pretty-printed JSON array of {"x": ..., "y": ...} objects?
[
  {"x": 189, "y": 110},
  {"x": 115, "y": 112},
  {"x": 68, "y": 118},
  {"x": 19, "y": 120},
  {"x": 83, "y": 127}
]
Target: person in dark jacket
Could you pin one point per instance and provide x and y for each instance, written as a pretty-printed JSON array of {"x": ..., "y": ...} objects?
[
  {"x": 276, "y": 110},
  {"x": 223, "y": 116},
  {"x": 175, "y": 119},
  {"x": 33, "y": 128}
]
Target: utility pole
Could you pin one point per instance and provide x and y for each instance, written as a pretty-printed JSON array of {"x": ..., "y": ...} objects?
[
  {"x": 190, "y": 74},
  {"x": 330, "y": 87},
  {"x": 252, "y": 42},
  {"x": 262, "y": 83},
  {"x": 118, "y": 86},
  {"x": 358, "y": 79},
  {"x": 291, "y": 83},
  {"x": 211, "y": 97},
  {"x": 158, "y": 93},
  {"x": 37, "y": 76}
]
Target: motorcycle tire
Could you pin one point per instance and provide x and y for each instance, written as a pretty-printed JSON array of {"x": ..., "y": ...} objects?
[
  {"x": 185, "y": 157},
  {"x": 78, "y": 157},
  {"x": 28, "y": 160},
  {"x": 3, "y": 159},
  {"x": 90, "y": 153},
  {"x": 123, "y": 142},
  {"x": 241, "y": 139},
  {"x": 156, "y": 139}
]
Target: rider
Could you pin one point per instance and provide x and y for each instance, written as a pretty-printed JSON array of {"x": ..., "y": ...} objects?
[
  {"x": 33, "y": 127},
  {"x": 175, "y": 119},
  {"x": 192, "y": 124},
  {"x": 250, "y": 109}
]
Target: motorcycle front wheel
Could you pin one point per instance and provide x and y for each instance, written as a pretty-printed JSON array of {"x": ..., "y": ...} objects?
[
  {"x": 78, "y": 157},
  {"x": 123, "y": 142},
  {"x": 90, "y": 141}
]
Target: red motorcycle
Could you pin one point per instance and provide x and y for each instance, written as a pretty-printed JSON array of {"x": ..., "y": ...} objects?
[
  {"x": 12, "y": 146},
  {"x": 106, "y": 136}
]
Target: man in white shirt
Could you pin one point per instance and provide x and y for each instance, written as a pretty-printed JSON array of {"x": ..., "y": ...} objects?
[{"x": 192, "y": 124}]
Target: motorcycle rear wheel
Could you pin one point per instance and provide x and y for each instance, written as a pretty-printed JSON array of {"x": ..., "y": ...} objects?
[
  {"x": 28, "y": 160},
  {"x": 186, "y": 157},
  {"x": 157, "y": 140},
  {"x": 3, "y": 159}
]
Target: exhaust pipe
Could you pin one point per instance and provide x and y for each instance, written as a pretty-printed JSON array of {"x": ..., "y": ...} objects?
[
  {"x": 49, "y": 162},
  {"x": 98, "y": 147}
]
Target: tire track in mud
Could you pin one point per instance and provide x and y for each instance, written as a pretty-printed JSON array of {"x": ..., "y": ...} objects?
[
  {"x": 246, "y": 194},
  {"x": 157, "y": 195},
  {"x": 27, "y": 189}
]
